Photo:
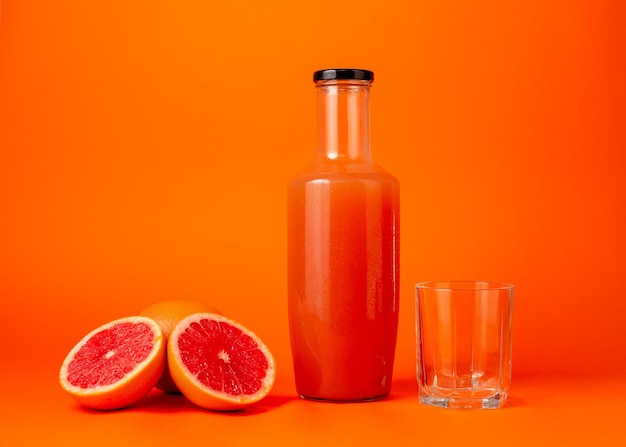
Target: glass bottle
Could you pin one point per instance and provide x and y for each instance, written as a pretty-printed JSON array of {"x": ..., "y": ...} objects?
[{"x": 343, "y": 253}]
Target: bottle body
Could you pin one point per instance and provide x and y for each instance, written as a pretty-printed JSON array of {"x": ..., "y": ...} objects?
[{"x": 343, "y": 255}]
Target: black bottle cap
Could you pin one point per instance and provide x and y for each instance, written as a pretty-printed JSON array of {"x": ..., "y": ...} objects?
[{"x": 343, "y": 73}]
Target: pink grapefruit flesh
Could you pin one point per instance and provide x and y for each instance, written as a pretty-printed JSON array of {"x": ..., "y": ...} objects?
[
  {"x": 219, "y": 364},
  {"x": 116, "y": 364}
]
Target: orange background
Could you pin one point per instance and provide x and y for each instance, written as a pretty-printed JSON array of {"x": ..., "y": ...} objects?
[{"x": 145, "y": 149}]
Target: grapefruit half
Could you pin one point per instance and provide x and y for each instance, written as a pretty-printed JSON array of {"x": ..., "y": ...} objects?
[
  {"x": 168, "y": 314},
  {"x": 116, "y": 364},
  {"x": 218, "y": 364}
]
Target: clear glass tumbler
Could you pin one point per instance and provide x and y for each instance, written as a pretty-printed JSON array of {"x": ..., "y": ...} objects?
[{"x": 464, "y": 343}]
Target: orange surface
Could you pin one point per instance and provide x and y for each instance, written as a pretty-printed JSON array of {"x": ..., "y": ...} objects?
[{"x": 145, "y": 149}]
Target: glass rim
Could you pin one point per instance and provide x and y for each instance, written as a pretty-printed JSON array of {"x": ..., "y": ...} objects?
[{"x": 468, "y": 285}]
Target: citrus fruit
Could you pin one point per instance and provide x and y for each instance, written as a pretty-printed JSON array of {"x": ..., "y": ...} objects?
[
  {"x": 167, "y": 314},
  {"x": 115, "y": 364},
  {"x": 218, "y": 364}
]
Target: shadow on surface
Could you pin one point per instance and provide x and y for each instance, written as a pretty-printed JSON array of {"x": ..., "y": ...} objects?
[{"x": 159, "y": 402}]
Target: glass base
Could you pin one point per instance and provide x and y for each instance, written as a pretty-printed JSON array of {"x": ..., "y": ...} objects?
[
  {"x": 461, "y": 402},
  {"x": 345, "y": 400}
]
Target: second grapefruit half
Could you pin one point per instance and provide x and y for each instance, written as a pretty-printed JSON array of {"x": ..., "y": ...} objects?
[{"x": 218, "y": 364}]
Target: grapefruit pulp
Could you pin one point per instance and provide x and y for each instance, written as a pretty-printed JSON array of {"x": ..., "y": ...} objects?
[
  {"x": 168, "y": 314},
  {"x": 218, "y": 364},
  {"x": 115, "y": 364}
]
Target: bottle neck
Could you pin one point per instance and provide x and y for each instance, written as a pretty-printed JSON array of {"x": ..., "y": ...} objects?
[{"x": 343, "y": 120}]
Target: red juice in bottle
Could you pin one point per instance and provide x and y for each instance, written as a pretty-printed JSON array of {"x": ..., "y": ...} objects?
[{"x": 343, "y": 239}]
